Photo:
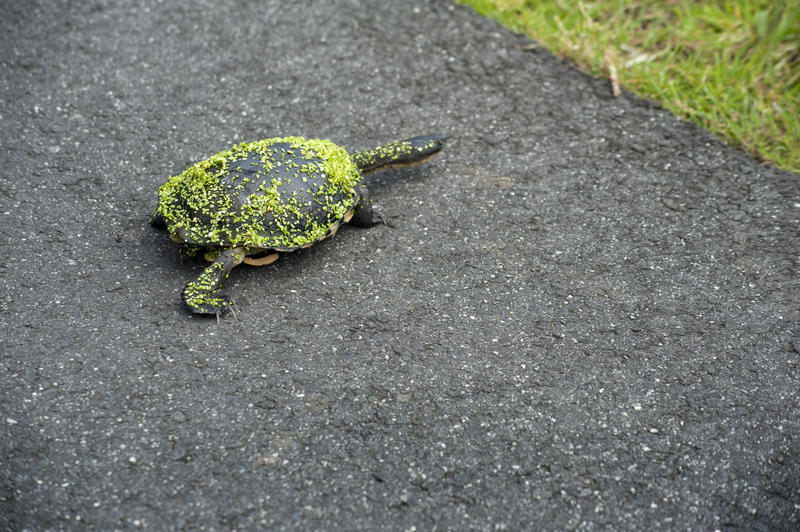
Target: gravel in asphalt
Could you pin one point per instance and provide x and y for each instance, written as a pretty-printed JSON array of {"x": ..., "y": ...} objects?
[{"x": 583, "y": 314}]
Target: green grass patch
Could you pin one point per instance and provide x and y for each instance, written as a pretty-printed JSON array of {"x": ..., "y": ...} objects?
[{"x": 732, "y": 66}]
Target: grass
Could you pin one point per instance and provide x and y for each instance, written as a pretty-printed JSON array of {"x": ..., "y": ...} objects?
[{"x": 732, "y": 66}]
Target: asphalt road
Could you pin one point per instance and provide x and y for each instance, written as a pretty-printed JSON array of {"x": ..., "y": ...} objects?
[{"x": 584, "y": 313}]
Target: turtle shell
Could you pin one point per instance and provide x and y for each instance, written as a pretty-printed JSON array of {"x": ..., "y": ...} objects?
[{"x": 279, "y": 193}]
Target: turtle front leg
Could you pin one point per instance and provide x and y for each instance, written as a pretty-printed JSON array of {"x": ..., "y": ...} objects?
[
  {"x": 364, "y": 215},
  {"x": 201, "y": 296}
]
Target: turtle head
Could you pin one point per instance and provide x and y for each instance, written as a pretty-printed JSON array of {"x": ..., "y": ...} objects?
[
  {"x": 423, "y": 149},
  {"x": 428, "y": 144}
]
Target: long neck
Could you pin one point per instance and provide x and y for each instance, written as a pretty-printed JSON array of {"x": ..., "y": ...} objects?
[{"x": 399, "y": 153}]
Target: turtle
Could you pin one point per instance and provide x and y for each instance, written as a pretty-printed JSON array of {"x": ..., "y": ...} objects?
[{"x": 258, "y": 199}]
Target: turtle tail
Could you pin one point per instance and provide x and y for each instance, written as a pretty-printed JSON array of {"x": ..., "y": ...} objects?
[{"x": 400, "y": 153}]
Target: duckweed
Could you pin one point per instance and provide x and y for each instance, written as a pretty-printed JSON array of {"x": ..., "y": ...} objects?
[{"x": 202, "y": 206}]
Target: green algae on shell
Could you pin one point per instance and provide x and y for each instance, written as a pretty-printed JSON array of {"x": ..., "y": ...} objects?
[{"x": 278, "y": 193}]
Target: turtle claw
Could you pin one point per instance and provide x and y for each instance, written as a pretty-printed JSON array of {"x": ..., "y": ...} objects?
[
  {"x": 377, "y": 218},
  {"x": 382, "y": 220}
]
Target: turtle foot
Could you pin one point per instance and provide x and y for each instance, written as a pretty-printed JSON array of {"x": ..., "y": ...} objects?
[
  {"x": 212, "y": 303},
  {"x": 366, "y": 216},
  {"x": 202, "y": 296}
]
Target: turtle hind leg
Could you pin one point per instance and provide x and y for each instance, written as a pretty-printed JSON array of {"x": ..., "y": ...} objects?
[
  {"x": 363, "y": 214},
  {"x": 202, "y": 296}
]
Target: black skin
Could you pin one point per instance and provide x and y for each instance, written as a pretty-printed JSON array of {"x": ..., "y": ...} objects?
[
  {"x": 365, "y": 215},
  {"x": 157, "y": 221},
  {"x": 208, "y": 301}
]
